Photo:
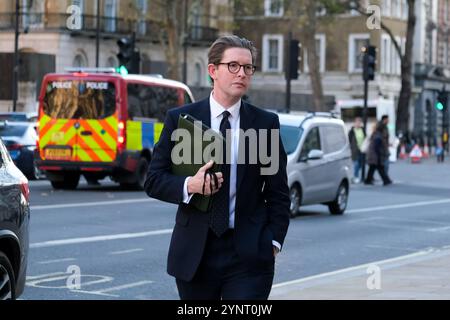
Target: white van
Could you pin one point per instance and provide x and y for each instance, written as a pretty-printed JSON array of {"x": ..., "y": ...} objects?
[{"x": 319, "y": 160}]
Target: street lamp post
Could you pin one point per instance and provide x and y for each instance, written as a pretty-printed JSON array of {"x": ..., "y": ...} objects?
[
  {"x": 97, "y": 37},
  {"x": 15, "y": 75}
]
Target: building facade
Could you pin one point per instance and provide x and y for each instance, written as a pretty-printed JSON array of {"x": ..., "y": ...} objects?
[{"x": 65, "y": 31}]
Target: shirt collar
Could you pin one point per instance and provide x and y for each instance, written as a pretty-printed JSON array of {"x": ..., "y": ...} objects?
[{"x": 217, "y": 109}]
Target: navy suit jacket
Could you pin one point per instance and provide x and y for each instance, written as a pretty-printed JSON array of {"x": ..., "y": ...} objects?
[{"x": 262, "y": 201}]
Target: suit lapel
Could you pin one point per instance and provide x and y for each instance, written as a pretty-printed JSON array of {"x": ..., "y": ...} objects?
[
  {"x": 203, "y": 112},
  {"x": 246, "y": 120}
]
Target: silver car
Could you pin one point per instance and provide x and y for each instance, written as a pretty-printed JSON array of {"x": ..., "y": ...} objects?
[{"x": 319, "y": 160}]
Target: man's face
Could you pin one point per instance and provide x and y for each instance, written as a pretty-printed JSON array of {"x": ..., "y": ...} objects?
[
  {"x": 358, "y": 123},
  {"x": 386, "y": 121},
  {"x": 226, "y": 83}
]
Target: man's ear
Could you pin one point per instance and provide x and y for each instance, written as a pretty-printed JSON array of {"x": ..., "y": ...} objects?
[{"x": 212, "y": 71}]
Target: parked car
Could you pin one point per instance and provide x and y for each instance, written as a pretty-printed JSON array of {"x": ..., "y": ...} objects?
[
  {"x": 19, "y": 116},
  {"x": 14, "y": 222},
  {"x": 319, "y": 160},
  {"x": 20, "y": 140}
]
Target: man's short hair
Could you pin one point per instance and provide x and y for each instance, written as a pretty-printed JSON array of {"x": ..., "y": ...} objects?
[
  {"x": 215, "y": 53},
  {"x": 384, "y": 117}
]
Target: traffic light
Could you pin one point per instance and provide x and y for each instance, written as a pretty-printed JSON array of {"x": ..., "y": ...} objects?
[
  {"x": 441, "y": 101},
  {"x": 128, "y": 56},
  {"x": 294, "y": 55},
  {"x": 369, "y": 62}
]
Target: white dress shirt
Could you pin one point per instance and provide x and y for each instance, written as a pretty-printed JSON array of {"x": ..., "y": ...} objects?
[{"x": 234, "y": 119}]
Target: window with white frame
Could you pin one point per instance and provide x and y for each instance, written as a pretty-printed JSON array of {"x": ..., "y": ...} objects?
[
  {"x": 396, "y": 8},
  {"x": 273, "y": 8},
  {"x": 141, "y": 6},
  {"x": 110, "y": 15},
  {"x": 385, "y": 56},
  {"x": 272, "y": 53},
  {"x": 386, "y": 8},
  {"x": 355, "y": 43},
  {"x": 396, "y": 63},
  {"x": 404, "y": 9},
  {"x": 321, "y": 53}
]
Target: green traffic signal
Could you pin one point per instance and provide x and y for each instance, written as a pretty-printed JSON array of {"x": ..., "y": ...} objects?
[
  {"x": 122, "y": 70},
  {"x": 439, "y": 106}
]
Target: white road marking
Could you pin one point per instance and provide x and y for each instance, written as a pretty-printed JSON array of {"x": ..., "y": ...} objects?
[
  {"x": 56, "y": 260},
  {"x": 90, "y": 204},
  {"x": 126, "y": 251},
  {"x": 53, "y": 243},
  {"x": 400, "y": 206},
  {"x": 439, "y": 229},
  {"x": 41, "y": 276},
  {"x": 354, "y": 268},
  {"x": 126, "y": 286},
  {"x": 96, "y": 293}
]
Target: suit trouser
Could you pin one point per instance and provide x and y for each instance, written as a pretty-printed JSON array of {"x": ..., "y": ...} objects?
[{"x": 223, "y": 275}]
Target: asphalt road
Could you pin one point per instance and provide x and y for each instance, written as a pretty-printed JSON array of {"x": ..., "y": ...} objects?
[{"x": 118, "y": 240}]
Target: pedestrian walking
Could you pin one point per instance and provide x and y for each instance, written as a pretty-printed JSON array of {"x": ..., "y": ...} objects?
[
  {"x": 356, "y": 138},
  {"x": 376, "y": 156},
  {"x": 440, "y": 153},
  {"x": 386, "y": 141},
  {"x": 228, "y": 252}
]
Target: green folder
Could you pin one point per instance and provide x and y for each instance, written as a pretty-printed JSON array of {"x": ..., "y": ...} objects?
[{"x": 189, "y": 150}]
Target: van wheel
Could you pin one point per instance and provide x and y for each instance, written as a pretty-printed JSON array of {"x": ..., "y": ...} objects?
[
  {"x": 295, "y": 196},
  {"x": 338, "y": 205},
  {"x": 7, "y": 281},
  {"x": 70, "y": 182}
]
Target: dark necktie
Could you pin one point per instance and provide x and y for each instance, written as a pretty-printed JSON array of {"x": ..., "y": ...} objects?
[{"x": 220, "y": 213}]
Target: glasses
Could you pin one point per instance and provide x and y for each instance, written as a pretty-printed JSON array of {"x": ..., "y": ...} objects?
[{"x": 235, "y": 67}]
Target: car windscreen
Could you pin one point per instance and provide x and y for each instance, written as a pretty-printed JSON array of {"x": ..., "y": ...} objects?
[
  {"x": 13, "y": 117},
  {"x": 79, "y": 99},
  {"x": 12, "y": 131},
  {"x": 290, "y": 136}
]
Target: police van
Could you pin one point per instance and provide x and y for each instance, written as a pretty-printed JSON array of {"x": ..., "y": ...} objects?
[{"x": 98, "y": 123}]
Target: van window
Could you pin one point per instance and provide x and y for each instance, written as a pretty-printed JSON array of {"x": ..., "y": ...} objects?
[
  {"x": 335, "y": 138},
  {"x": 312, "y": 141},
  {"x": 80, "y": 99},
  {"x": 150, "y": 101},
  {"x": 187, "y": 98},
  {"x": 290, "y": 136}
]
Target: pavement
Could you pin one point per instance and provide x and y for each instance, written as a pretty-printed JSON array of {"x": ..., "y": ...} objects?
[{"x": 423, "y": 275}]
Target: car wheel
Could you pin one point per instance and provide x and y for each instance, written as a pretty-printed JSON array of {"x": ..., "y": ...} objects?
[
  {"x": 7, "y": 282},
  {"x": 295, "y": 196},
  {"x": 35, "y": 173},
  {"x": 338, "y": 205}
]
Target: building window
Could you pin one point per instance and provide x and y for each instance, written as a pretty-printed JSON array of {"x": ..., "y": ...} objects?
[
  {"x": 404, "y": 9},
  {"x": 273, "y": 8},
  {"x": 198, "y": 75},
  {"x": 385, "y": 54},
  {"x": 321, "y": 53},
  {"x": 386, "y": 8},
  {"x": 272, "y": 53},
  {"x": 79, "y": 61},
  {"x": 356, "y": 42},
  {"x": 110, "y": 15},
  {"x": 111, "y": 62},
  {"x": 141, "y": 6}
]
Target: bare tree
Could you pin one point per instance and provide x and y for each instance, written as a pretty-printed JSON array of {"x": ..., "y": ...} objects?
[{"x": 402, "y": 120}]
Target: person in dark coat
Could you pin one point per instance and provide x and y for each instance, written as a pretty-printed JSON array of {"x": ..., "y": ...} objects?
[{"x": 376, "y": 156}]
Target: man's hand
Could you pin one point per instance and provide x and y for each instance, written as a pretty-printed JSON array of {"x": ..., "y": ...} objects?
[{"x": 195, "y": 183}]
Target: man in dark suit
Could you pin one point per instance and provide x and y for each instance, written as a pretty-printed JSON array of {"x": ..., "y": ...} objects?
[{"x": 229, "y": 252}]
